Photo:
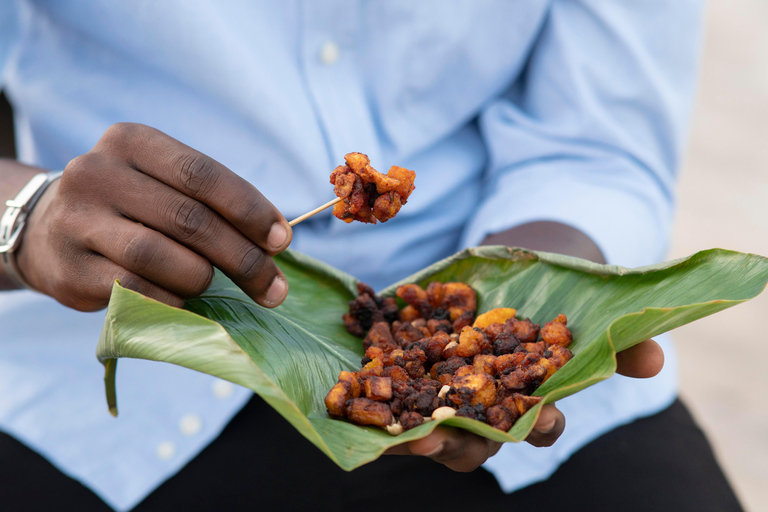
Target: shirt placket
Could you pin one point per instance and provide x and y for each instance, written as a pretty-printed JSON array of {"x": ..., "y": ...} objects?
[{"x": 333, "y": 42}]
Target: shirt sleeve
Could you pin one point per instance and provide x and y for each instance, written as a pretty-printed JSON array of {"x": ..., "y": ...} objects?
[
  {"x": 592, "y": 132},
  {"x": 9, "y": 29}
]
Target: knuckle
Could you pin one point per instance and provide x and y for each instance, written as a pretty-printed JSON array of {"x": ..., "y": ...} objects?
[
  {"x": 252, "y": 263},
  {"x": 139, "y": 253},
  {"x": 79, "y": 167},
  {"x": 197, "y": 174},
  {"x": 192, "y": 221},
  {"x": 121, "y": 133}
]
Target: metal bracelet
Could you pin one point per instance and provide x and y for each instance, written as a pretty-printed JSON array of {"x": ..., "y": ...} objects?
[{"x": 14, "y": 220}]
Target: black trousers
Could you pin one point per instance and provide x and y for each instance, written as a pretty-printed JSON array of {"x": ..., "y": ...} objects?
[{"x": 659, "y": 463}]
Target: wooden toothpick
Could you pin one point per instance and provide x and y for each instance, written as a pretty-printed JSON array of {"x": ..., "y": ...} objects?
[{"x": 316, "y": 210}]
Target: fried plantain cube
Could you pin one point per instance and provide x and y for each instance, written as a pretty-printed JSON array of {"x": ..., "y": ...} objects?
[
  {"x": 378, "y": 388},
  {"x": 372, "y": 369},
  {"x": 481, "y": 385},
  {"x": 497, "y": 315},
  {"x": 364, "y": 411},
  {"x": 472, "y": 342},
  {"x": 483, "y": 363},
  {"x": 336, "y": 399},
  {"x": 353, "y": 379}
]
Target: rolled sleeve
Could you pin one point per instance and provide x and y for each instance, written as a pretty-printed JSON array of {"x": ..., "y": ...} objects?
[{"x": 592, "y": 132}]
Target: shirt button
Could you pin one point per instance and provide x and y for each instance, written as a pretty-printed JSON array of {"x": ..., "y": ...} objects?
[
  {"x": 223, "y": 389},
  {"x": 329, "y": 53},
  {"x": 165, "y": 450},
  {"x": 190, "y": 424}
]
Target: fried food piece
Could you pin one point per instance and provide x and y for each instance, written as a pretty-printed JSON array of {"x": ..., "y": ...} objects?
[
  {"x": 481, "y": 386},
  {"x": 435, "y": 326},
  {"x": 336, "y": 399},
  {"x": 559, "y": 355},
  {"x": 433, "y": 347},
  {"x": 500, "y": 417},
  {"x": 423, "y": 401},
  {"x": 416, "y": 297},
  {"x": 435, "y": 293},
  {"x": 459, "y": 298},
  {"x": 534, "y": 348},
  {"x": 372, "y": 369},
  {"x": 472, "y": 342},
  {"x": 524, "y": 330},
  {"x": 504, "y": 343},
  {"x": 411, "y": 419},
  {"x": 556, "y": 332},
  {"x": 378, "y": 388},
  {"x": 353, "y": 379},
  {"x": 365, "y": 411},
  {"x": 508, "y": 362},
  {"x": 380, "y": 337},
  {"x": 367, "y": 194},
  {"x": 367, "y": 309},
  {"x": 347, "y": 387},
  {"x": 444, "y": 370},
  {"x": 406, "y": 178},
  {"x": 497, "y": 315},
  {"x": 483, "y": 363},
  {"x": 464, "y": 320},
  {"x": 396, "y": 373}
]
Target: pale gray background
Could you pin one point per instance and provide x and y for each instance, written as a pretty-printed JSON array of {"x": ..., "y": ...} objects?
[{"x": 723, "y": 202}]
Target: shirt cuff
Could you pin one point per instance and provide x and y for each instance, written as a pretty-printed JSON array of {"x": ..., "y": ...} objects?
[{"x": 617, "y": 205}]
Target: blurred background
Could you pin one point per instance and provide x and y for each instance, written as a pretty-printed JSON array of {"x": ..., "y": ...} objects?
[{"x": 723, "y": 202}]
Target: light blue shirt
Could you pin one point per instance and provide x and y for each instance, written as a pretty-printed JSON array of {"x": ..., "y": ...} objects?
[{"x": 509, "y": 111}]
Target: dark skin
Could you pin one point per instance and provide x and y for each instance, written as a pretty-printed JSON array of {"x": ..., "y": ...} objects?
[{"x": 154, "y": 213}]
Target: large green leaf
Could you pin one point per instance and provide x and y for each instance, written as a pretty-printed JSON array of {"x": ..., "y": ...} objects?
[{"x": 292, "y": 355}]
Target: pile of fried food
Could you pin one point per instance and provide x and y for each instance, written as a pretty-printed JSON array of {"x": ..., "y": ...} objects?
[
  {"x": 433, "y": 359},
  {"x": 367, "y": 194}
]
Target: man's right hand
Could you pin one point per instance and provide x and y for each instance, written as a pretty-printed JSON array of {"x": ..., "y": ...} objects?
[{"x": 150, "y": 211}]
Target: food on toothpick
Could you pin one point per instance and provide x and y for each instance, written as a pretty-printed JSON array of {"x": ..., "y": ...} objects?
[
  {"x": 366, "y": 194},
  {"x": 433, "y": 359}
]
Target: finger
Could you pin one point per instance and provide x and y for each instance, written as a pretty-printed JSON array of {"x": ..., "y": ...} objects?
[
  {"x": 457, "y": 449},
  {"x": 96, "y": 277},
  {"x": 202, "y": 178},
  {"x": 548, "y": 428},
  {"x": 196, "y": 226},
  {"x": 643, "y": 360},
  {"x": 151, "y": 255}
]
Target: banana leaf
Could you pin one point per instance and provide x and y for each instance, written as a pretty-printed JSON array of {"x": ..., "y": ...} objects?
[{"x": 291, "y": 355}]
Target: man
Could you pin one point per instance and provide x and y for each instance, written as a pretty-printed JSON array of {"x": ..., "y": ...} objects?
[{"x": 550, "y": 125}]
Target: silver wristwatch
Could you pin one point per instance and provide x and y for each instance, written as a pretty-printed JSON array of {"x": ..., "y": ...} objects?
[{"x": 15, "y": 219}]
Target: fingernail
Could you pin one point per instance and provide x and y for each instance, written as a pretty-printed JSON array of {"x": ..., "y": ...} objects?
[
  {"x": 436, "y": 451},
  {"x": 277, "y": 291},
  {"x": 277, "y": 236},
  {"x": 547, "y": 427}
]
